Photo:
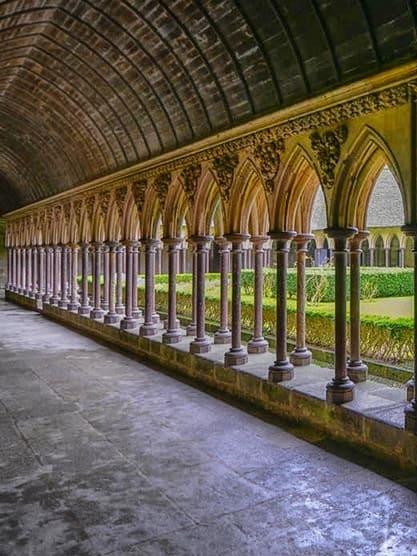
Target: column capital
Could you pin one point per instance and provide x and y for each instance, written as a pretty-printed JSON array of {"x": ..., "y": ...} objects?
[
  {"x": 201, "y": 242},
  {"x": 112, "y": 244},
  {"x": 356, "y": 240},
  {"x": 410, "y": 230},
  {"x": 131, "y": 242},
  {"x": 172, "y": 242},
  {"x": 259, "y": 241},
  {"x": 150, "y": 243},
  {"x": 282, "y": 235},
  {"x": 222, "y": 242},
  {"x": 341, "y": 233},
  {"x": 236, "y": 238}
]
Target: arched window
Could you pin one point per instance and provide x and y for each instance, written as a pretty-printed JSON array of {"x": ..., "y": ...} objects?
[
  {"x": 365, "y": 259},
  {"x": 379, "y": 259},
  {"x": 394, "y": 252}
]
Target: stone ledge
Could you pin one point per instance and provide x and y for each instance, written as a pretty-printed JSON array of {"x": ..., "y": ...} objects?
[{"x": 301, "y": 400}]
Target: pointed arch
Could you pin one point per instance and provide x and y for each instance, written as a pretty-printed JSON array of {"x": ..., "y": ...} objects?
[
  {"x": 176, "y": 210},
  {"x": 364, "y": 162},
  {"x": 297, "y": 186},
  {"x": 208, "y": 206},
  {"x": 131, "y": 222}
]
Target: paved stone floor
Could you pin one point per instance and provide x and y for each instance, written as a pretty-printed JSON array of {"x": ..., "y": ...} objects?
[{"x": 100, "y": 454}]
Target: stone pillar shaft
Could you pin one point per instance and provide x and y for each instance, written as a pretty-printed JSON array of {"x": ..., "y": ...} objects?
[
  {"x": 149, "y": 328},
  {"x": 128, "y": 322},
  {"x": 223, "y": 334},
  {"x": 192, "y": 327},
  {"x": 64, "y": 272},
  {"x": 97, "y": 311},
  {"x": 106, "y": 275},
  {"x": 55, "y": 281},
  {"x": 258, "y": 344},
  {"x": 173, "y": 333},
  {"x": 201, "y": 343},
  {"x": 41, "y": 272},
  {"x": 119, "y": 280},
  {"x": 282, "y": 369},
  {"x": 84, "y": 308},
  {"x": 237, "y": 355},
  {"x": 341, "y": 388}
]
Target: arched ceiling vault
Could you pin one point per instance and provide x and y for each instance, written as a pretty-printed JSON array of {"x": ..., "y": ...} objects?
[{"x": 88, "y": 87}]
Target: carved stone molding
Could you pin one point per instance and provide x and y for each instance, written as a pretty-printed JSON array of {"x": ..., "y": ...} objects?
[
  {"x": 269, "y": 158},
  {"x": 90, "y": 203},
  {"x": 327, "y": 148},
  {"x": 139, "y": 193},
  {"x": 224, "y": 168},
  {"x": 161, "y": 185},
  {"x": 190, "y": 176},
  {"x": 104, "y": 202},
  {"x": 66, "y": 207},
  {"x": 120, "y": 195}
]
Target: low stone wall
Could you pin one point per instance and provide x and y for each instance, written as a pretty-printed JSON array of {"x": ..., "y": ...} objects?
[{"x": 374, "y": 436}]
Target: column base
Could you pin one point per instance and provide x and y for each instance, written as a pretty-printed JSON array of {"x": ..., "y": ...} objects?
[
  {"x": 222, "y": 337},
  {"x": 63, "y": 304},
  {"x": 148, "y": 330},
  {"x": 53, "y": 300},
  {"x": 410, "y": 414},
  {"x": 201, "y": 345},
  {"x": 258, "y": 345},
  {"x": 46, "y": 298},
  {"x": 281, "y": 371},
  {"x": 340, "y": 392},
  {"x": 191, "y": 329},
  {"x": 136, "y": 314},
  {"x": 410, "y": 390},
  {"x": 300, "y": 357},
  {"x": 86, "y": 310},
  {"x": 357, "y": 371},
  {"x": 39, "y": 296},
  {"x": 32, "y": 294},
  {"x": 105, "y": 307},
  {"x": 156, "y": 319},
  {"x": 235, "y": 357},
  {"x": 172, "y": 336},
  {"x": 165, "y": 324},
  {"x": 120, "y": 309},
  {"x": 111, "y": 318},
  {"x": 96, "y": 314},
  {"x": 73, "y": 306},
  {"x": 128, "y": 323}
]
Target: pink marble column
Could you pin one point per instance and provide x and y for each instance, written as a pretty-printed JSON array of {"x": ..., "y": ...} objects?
[
  {"x": 356, "y": 369},
  {"x": 111, "y": 317},
  {"x": 41, "y": 273},
  {"x": 301, "y": 356},
  {"x": 201, "y": 343},
  {"x": 34, "y": 279},
  {"x": 192, "y": 327},
  {"x": 173, "y": 334},
  {"x": 223, "y": 334},
  {"x": 282, "y": 369},
  {"x": 14, "y": 270},
  {"x": 84, "y": 308},
  {"x": 19, "y": 269},
  {"x": 63, "y": 302},
  {"x": 47, "y": 292},
  {"x": 9, "y": 268},
  {"x": 136, "y": 312},
  {"x": 25, "y": 279},
  {"x": 341, "y": 388},
  {"x": 72, "y": 279},
  {"x": 257, "y": 343},
  {"x": 120, "y": 308},
  {"x": 149, "y": 328},
  {"x": 411, "y": 408},
  {"x": 237, "y": 355},
  {"x": 55, "y": 280},
  {"x": 128, "y": 322},
  {"x": 106, "y": 276},
  {"x": 97, "y": 312}
]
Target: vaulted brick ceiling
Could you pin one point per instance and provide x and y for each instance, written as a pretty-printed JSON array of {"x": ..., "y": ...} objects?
[{"x": 91, "y": 86}]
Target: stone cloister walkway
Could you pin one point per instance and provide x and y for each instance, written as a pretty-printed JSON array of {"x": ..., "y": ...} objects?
[{"x": 100, "y": 454}]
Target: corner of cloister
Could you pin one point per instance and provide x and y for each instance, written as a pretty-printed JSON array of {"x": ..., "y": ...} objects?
[{"x": 228, "y": 197}]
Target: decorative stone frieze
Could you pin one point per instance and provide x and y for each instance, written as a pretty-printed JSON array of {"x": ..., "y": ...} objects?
[
  {"x": 224, "y": 168},
  {"x": 269, "y": 157},
  {"x": 161, "y": 185},
  {"x": 327, "y": 148},
  {"x": 190, "y": 176},
  {"x": 139, "y": 193}
]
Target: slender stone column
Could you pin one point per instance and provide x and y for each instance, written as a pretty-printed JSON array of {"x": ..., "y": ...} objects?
[
  {"x": 149, "y": 327},
  {"x": 34, "y": 287},
  {"x": 19, "y": 270},
  {"x": 106, "y": 275},
  {"x": 136, "y": 312},
  {"x": 411, "y": 408},
  {"x": 386, "y": 256},
  {"x": 282, "y": 369},
  {"x": 258, "y": 344},
  {"x": 25, "y": 278},
  {"x": 9, "y": 268},
  {"x": 201, "y": 343},
  {"x": 223, "y": 334},
  {"x": 128, "y": 322},
  {"x": 401, "y": 257},
  {"x": 237, "y": 355},
  {"x": 192, "y": 327},
  {"x": 63, "y": 302},
  {"x": 111, "y": 317},
  {"x": 84, "y": 308},
  {"x": 14, "y": 269},
  {"x": 41, "y": 272},
  {"x": 120, "y": 308},
  {"x": 173, "y": 334},
  {"x": 47, "y": 292},
  {"x": 97, "y": 312},
  {"x": 356, "y": 369},
  {"x": 341, "y": 388},
  {"x": 301, "y": 355},
  {"x": 371, "y": 256},
  {"x": 72, "y": 280},
  {"x": 55, "y": 275}
]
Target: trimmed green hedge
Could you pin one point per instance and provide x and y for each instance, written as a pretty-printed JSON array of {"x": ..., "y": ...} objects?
[{"x": 384, "y": 339}]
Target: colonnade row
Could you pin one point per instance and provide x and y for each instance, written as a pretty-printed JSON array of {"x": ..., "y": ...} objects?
[{"x": 50, "y": 274}]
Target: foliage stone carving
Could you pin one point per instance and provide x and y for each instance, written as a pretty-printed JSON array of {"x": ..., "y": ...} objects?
[
  {"x": 161, "y": 185},
  {"x": 139, "y": 193},
  {"x": 190, "y": 176},
  {"x": 225, "y": 168},
  {"x": 327, "y": 148},
  {"x": 120, "y": 195},
  {"x": 269, "y": 157}
]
